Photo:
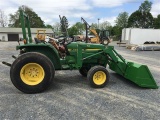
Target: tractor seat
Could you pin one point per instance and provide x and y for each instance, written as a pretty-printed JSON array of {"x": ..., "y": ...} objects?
[{"x": 38, "y": 41}]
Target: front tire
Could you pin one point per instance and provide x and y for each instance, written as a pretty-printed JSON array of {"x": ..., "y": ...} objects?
[
  {"x": 98, "y": 77},
  {"x": 32, "y": 72}
]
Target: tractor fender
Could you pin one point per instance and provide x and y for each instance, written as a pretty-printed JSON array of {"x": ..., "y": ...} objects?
[{"x": 46, "y": 49}]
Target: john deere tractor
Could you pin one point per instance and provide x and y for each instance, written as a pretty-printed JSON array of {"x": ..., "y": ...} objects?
[{"x": 34, "y": 69}]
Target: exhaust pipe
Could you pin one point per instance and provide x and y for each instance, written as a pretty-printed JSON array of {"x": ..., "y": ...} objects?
[{"x": 5, "y": 63}]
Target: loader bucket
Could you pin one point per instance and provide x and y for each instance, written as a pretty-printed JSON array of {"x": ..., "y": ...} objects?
[
  {"x": 137, "y": 73},
  {"x": 140, "y": 74}
]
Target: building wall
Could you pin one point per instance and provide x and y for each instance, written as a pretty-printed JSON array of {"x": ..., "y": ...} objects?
[
  {"x": 5, "y": 31},
  {"x": 3, "y": 37},
  {"x": 140, "y": 36},
  {"x": 33, "y": 36},
  {"x": 21, "y": 35},
  {"x": 126, "y": 34}
]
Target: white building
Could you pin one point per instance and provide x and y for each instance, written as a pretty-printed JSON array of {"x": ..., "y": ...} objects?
[
  {"x": 13, "y": 34},
  {"x": 139, "y": 36}
]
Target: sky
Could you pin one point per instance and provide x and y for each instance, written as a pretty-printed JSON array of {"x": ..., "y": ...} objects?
[{"x": 90, "y": 10}]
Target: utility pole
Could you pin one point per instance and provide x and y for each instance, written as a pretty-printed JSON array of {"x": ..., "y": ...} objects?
[{"x": 98, "y": 23}]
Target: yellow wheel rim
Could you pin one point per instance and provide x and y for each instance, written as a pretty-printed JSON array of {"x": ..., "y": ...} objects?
[
  {"x": 32, "y": 74},
  {"x": 99, "y": 78}
]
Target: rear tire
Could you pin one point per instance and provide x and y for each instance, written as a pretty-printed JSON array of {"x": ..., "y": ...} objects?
[
  {"x": 98, "y": 77},
  {"x": 32, "y": 72}
]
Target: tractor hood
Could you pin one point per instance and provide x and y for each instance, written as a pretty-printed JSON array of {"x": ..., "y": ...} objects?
[{"x": 74, "y": 45}]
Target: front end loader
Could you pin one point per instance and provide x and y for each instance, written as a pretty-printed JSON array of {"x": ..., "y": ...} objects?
[{"x": 34, "y": 69}]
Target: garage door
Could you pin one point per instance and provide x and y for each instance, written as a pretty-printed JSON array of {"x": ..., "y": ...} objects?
[{"x": 13, "y": 37}]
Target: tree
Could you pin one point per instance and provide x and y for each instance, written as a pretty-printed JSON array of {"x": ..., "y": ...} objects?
[
  {"x": 156, "y": 23},
  {"x": 142, "y": 18},
  {"x": 116, "y": 31},
  {"x": 122, "y": 20},
  {"x": 3, "y": 19},
  {"x": 76, "y": 29},
  {"x": 64, "y": 26},
  {"x": 102, "y": 26},
  {"x": 105, "y": 25},
  {"x": 56, "y": 28},
  {"x": 35, "y": 20},
  {"x": 145, "y": 7},
  {"x": 80, "y": 26},
  {"x": 139, "y": 20},
  {"x": 73, "y": 31},
  {"x": 49, "y": 26},
  {"x": 94, "y": 25}
]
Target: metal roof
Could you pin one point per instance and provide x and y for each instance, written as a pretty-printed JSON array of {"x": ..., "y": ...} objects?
[{"x": 19, "y": 30}]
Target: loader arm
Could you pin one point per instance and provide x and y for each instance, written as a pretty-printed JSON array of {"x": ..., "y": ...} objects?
[{"x": 25, "y": 22}]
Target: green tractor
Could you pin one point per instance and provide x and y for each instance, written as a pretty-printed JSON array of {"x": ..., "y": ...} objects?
[{"x": 34, "y": 69}]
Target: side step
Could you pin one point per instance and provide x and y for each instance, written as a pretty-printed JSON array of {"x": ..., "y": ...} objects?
[
  {"x": 9, "y": 64},
  {"x": 5, "y": 63},
  {"x": 14, "y": 57}
]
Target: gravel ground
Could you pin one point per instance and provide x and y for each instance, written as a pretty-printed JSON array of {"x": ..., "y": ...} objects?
[{"x": 70, "y": 97}]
